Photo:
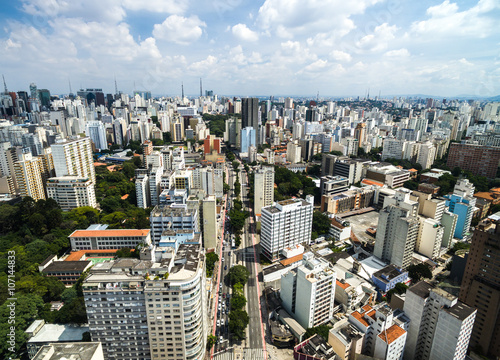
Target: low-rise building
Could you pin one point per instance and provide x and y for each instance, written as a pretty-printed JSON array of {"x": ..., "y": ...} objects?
[
  {"x": 80, "y": 351},
  {"x": 387, "y": 278},
  {"x": 97, "y": 237}
]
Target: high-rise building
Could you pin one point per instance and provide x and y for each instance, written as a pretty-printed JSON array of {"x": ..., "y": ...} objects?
[
  {"x": 264, "y": 188},
  {"x": 212, "y": 143},
  {"x": 71, "y": 192},
  {"x": 440, "y": 325},
  {"x": 209, "y": 222},
  {"x": 250, "y": 114},
  {"x": 285, "y": 224},
  {"x": 247, "y": 139},
  {"x": 293, "y": 152},
  {"x": 426, "y": 155},
  {"x": 150, "y": 309},
  {"x": 28, "y": 174},
  {"x": 74, "y": 157},
  {"x": 462, "y": 203},
  {"x": 308, "y": 292},
  {"x": 481, "y": 287},
  {"x": 397, "y": 230},
  {"x": 177, "y": 217},
  {"x": 392, "y": 149},
  {"x": 360, "y": 133},
  {"x": 479, "y": 160},
  {"x": 96, "y": 132}
]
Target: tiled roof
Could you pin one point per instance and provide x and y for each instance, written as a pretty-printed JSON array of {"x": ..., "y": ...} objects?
[
  {"x": 358, "y": 317},
  {"x": 392, "y": 334},
  {"x": 110, "y": 233},
  {"x": 77, "y": 255},
  {"x": 291, "y": 260},
  {"x": 343, "y": 285}
]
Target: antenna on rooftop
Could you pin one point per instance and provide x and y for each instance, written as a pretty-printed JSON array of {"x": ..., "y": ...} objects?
[
  {"x": 5, "y": 85},
  {"x": 116, "y": 87},
  {"x": 182, "y": 87}
]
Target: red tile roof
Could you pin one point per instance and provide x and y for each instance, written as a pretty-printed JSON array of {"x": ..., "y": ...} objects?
[
  {"x": 392, "y": 334},
  {"x": 110, "y": 233},
  {"x": 358, "y": 317},
  {"x": 343, "y": 285},
  {"x": 291, "y": 260}
]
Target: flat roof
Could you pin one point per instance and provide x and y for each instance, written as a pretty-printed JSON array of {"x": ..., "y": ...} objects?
[
  {"x": 57, "y": 266},
  {"x": 291, "y": 322},
  {"x": 460, "y": 310},
  {"x": 59, "y": 333},
  {"x": 68, "y": 351},
  {"x": 422, "y": 289}
]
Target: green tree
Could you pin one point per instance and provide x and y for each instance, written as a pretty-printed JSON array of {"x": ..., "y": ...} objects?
[
  {"x": 336, "y": 152},
  {"x": 238, "y": 302},
  {"x": 238, "y": 274},
  {"x": 399, "y": 288},
  {"x": 68, "y": 294},
  {"x": 211, "y": 341},
  {"x": 238, "y": 289},
  {"x": 238, "y": 321},
  {"x": 419, "y": 271},
  {"x": 321, "y": 223},
  {"x": 321, "y": 330},
  {"x": 211, "y": 259}
]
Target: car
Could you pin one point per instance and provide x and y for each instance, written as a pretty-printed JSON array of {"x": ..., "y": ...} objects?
[
  {"x": 222, "y": 322},
  {"x": 223, "y": 259},
  {"x": 220, "y": 307},
  {"x": 224, "y": 295},
  {"x": 225, "y": 267},
  {"x": 221, "y": 339},
  {"x": 220, "y": 285},
  {"x": 223, "y": 304},
  {"x": 218, "y": 322}
]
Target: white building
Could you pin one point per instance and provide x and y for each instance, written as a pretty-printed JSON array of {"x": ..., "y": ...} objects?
[
  {"x": 293, "y": 153},
  {"x": 74, "y": 157},
  {"x": 426, "y": 155},
  {"x": 440, "y": 325},
  {"x": 264, "y": 188},
  {"x": 308, "y": 292},
  {"x": 164, "y": 218},
  {"x": 392, "y": 149},
  {"x": 97, "y": 133},
  {"x": 285, "y": 224},
  {"x": 210, "y": 228},
  {"x": 98, "y": 237},
  {"x": 71, "y": 192},
  {"x": 142, "y": 191},
  {"x": 430, "y": 237}
]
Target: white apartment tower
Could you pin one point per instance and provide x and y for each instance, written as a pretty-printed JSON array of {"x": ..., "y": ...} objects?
[
  {"x": 142, "y": 191},
  {"x": 97, "y": 133},
  {"x": 149, "y": 309},
  {"x": 397, "y": 230},
  {"x": 440, "y": 325},
  {"x": 308, "y": 292},
  {"x": 74, "y": 157},
  {"x": 71, "y": 192},
  {"x": 264, "y": 188},
  {"x": 285, "y": 224}
]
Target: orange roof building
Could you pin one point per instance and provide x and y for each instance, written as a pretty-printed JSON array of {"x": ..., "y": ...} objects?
[
  {"x": 392, "y": 334},
  {"x": 99, "y": 238}
]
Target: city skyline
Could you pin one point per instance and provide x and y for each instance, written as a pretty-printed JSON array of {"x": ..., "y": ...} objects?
[{"x": 270, "y": 47}]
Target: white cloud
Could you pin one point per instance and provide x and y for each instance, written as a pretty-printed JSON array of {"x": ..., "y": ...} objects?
[
  {"x": 398, "y": 53},
  {"x": 179, "y": 29},
  {"x": 379, "y": 39},
  {"x": 158, "y": 6},
  {"x": 242, "y": 32},
  {"x": 446, "y": 20},
  {"x": 342, "y": 56}
]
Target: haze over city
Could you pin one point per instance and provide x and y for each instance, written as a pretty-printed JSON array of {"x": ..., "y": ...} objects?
[{"x": 245, "y": 48}]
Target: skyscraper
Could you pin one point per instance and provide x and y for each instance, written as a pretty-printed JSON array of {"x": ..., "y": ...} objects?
[
  {"x": 28, "y": 174},
  {"x": 97, "y": 133},
  {"x": 440, "y": 326},
  {"x": 481, "y": 287},
  {"x": 285, "y": 224},
  {"x": 264, "y": 188},
  {"x": 250, "y": 114},
  {"x": 74, "y": 157},
  {"x": 397, "y": 230}
]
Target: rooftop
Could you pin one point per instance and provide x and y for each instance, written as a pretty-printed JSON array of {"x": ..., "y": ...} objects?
[
  {"x": 460, "y": 310},
  {"x": 388, "y": 273},
  {"x": 67, "y": 266},
  {"x": 110, "y": 233},
  {"x": 392, "y": 334},
  {"x": 68, "y": 351},
  {"x": 422, "y": 289},
  {"x": 58, "y": 333}
]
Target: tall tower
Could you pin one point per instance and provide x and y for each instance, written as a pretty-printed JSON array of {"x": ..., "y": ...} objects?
[
  {"x": 29, "y": 177},
  {"x": 182, "y": 89},
  {"x": 250, "y": 114},
  {"x": 481, "y": 286},
  {"x": 74, "y": 158},
  {"x": 264, "y": 188},
  {"x": 201, "y": 89}
]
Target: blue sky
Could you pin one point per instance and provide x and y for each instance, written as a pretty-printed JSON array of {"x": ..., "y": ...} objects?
[{"x": 272, "y": 47}]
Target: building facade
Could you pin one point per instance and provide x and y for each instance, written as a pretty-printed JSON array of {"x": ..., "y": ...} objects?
[{"x": 71, "y": 192}]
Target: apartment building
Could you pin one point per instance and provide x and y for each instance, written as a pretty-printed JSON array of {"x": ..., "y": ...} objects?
[
  {"x": 71, "y": 192},
  {"x": 74, "y": 157},
  {"x": 264, "y": 188}
]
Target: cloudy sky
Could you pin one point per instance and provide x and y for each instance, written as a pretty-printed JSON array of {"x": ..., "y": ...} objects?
[{"x": 239, "y": 47}]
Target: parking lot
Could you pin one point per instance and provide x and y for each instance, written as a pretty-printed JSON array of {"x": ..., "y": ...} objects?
[{"x": 362, "y": 222}]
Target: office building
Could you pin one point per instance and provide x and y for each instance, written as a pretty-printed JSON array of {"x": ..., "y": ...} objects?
[
  {"x": 481, "y": 286},
  {"x": 74, "y": 157},
  {"x": 440, "y": 325},
  {"x": 462, "y": 203},
  {"x": 308, "y": 292},
  {"x": 331, "y": 185},
  {"x": 99, "y": 237},
  {"x": 250, "y": 115},
  {"x": 397, "y": 230},
  {"x": 247, "y": 139},
  {"x": 96, "y": 131},
  {"x": 264, "y": 188},
  {"x": 28, "y": 173},
  {"x": 479, "y": 160},
  {"x": 351, "y": 169},
  {"x": 350, "y": 200},
  {"x": 285, "y": 224},
  {"x": 209, "y": 222},
  {"x": 149, "y": 309},
  {"x": 71, "y": 192},
  {"x": 180, "y": 217},
  {"x": 388, "y": 174},
  {"x": 328, "y": 163}
]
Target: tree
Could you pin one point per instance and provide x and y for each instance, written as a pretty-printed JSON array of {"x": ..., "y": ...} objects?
[
  {"x": 238, "y": 289},
  {"x": 238, "y": 302},
  {"x": 225, "y": 188},
  {"x": 211, "y": 341},
  {"x": 238, "y": 321},
  {"x": 321, "y": 223},
  {"x": 321, "y": 330},
  {"x": 411, "y": 185},
  {"x": 211, "y": 259},
  {"x": 336, "y": 152},
  {"x": 399, "y": 288},
  {"x": 238, "y": 274},
  {"x": 419, "y": 271}
]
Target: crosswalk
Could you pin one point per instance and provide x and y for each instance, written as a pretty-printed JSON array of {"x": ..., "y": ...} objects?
[{"x": 236, "y": 354}]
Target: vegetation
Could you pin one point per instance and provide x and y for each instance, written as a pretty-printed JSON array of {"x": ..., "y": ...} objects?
[
  {"x": 238, "y": 321},
  {"x": 418, "y": 272},
  {"x": 211, "y": 341},
  {"x": 460, "y": 246},
  {"x": 399, "y": 288},
  {"x": 237, "y": 217},
  {"x": 292, "y": 184},
  {"x": 320, "y": 224},
  {"x": 238, "y": 274},
  {"x": 211, "y": 259},
  {"x": 321, "y": 330},
  {"x": 216, "y": 123},
  {"x": 238, "y": 302},
  {"x": 128, "y": 253}
]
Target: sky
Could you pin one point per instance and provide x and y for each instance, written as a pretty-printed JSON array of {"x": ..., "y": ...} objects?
[{"x": 254, "y": 48}]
